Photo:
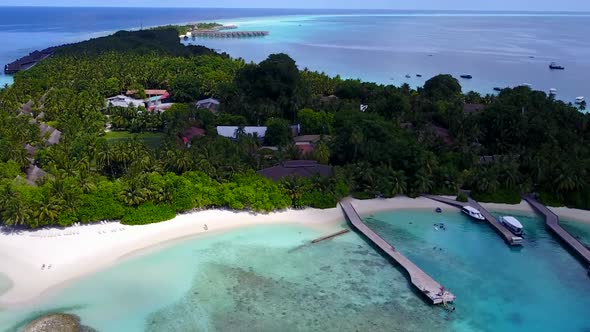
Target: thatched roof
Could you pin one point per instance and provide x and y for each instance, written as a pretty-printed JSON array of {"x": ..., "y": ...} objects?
[
  {"x": 54, "y": 138},
  {"x": 26, "y": 109},
  {"x": 34, "y": 173},
  {"x": 31, "y": 150},
  {"x": 307, "y": 139},
  {"x": 303, "y": 168},
  {"x": 45, "y": 128},
  {"x": 328, "y": 99},
  {"x": 473, "y": 108}
]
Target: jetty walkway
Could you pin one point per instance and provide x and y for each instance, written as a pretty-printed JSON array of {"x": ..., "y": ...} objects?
[
  {"x": 510, "y": 238},
  {"x": 422, "y": 281},
  {"x": 552, "y": 222},
  {"x": 28, "y": 61},
  {"x": 228, "y": 34}
]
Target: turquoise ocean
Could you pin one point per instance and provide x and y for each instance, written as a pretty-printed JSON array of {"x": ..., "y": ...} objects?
[
  {"x": 499, "y": 49},
  {"x": 266, "y": 278}
]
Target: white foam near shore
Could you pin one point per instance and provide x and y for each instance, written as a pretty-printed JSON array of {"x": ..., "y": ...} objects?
[{"x": 38, "y": 261}]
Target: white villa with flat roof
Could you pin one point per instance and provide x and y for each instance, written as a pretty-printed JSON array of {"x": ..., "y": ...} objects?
[
  {"x": 124, "y": 101},
  {"x": 231, "y": 132}
]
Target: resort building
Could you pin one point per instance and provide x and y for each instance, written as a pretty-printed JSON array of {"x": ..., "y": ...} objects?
[
  {"x": 51, "y": 135},
  {"x": 34, "y": 173},
  {"x": 209, "y": 103},
  {"x": 160, "y": 107},
  {"x": 232, "y": 132},
  {"x": 124, "y": 101},
  {"x": 307, "y": 143},
  {"x": 31, "y": 150},
  {"x": 149, "y": 92},
  {"x": 189, "y": 133},
  {"x": 303, "y": 168},
  {"x": 26, "y": 109},
  {"x": 473, "y": 108}
]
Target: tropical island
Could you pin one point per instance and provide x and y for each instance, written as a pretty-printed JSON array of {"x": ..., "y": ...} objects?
[
  {"x": 137, "y": 129},
  {"x": 213, "y": 30},
  {"x": 69, "y": 155}
]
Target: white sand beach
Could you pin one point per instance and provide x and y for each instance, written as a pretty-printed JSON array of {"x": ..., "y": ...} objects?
[{"x": 39, "y": 261}]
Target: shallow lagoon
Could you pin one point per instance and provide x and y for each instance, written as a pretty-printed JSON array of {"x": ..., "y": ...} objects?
[
  {"x": 540, "y": 287},
  {"x": 254, "y": 279},
  {"x": 263, "y": 279}
]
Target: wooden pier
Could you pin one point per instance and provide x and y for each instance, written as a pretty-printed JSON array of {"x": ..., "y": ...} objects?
[
  {"x": 227, "y": 34},
  {"x": 552, "y": 222},
  {"x": 28, "y": 61},
  {"x": 508, "y": 237},
  {"x": 331, "y": 236},
  {"x": 422, "y": 281}
]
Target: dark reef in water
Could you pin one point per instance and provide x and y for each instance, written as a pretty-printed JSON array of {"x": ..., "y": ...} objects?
[
  {"x": 329, "y": 295},
  {"x": 57, "y": 323}
]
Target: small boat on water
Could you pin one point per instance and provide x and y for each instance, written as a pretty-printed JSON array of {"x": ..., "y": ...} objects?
[
  {"x": 512, "y": 224},
  {"x": 555, "y": 66},
  {"x": 552, "y": 92},
  {"x": 579, "y": 100},
  {"x": 418, "y": 75},
  {"x": 467, "y": 77},
  {"x": 408, "y": 76},
  {"x": 472, "y": 212}
]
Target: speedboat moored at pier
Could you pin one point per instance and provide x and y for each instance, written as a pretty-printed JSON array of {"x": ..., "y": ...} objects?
[
  {"x": 512, "y": 224},
  {"x": 472, "y": 212}
]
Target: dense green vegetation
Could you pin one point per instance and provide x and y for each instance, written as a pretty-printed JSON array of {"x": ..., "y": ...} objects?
[{"x": 407, "y": 142}]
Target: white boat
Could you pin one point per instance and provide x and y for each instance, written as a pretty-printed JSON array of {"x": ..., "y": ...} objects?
[
  {"x": 553, "y": 91},
  {"x": 512, "y": 224},
  {"x": 472, "y": 212},
  {"x": 579, "y": 100}
]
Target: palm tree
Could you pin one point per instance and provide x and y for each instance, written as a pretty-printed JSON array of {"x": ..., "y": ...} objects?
[
  {"x": 294, "y": 188},
  {"x": 105, "y": 157},
  {"x": 356, "y": 139},
  {"x": 398, "y": 183},
  {"x": 134, "y": 194},
  {"x": 47, "y": 212},
  {"x": 422, "y": 182},
  {"x": 486, "y": 180},
  {"x": 322, "y": 153},
  {"x": 16, "y": 213}
]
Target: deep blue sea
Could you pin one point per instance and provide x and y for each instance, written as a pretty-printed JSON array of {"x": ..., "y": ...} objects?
[{"x": 499, "y": 49}]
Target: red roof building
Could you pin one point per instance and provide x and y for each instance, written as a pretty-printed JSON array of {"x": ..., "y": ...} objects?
[
  {"x": 305, "y": 149},
  {"x": 192, "y": 132}
]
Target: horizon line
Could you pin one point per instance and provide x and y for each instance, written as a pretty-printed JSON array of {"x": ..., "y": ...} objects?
[{"x": 307, "y": 8}]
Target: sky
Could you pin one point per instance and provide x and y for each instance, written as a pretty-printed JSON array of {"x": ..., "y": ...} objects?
[{"x": 529, "y": 5}]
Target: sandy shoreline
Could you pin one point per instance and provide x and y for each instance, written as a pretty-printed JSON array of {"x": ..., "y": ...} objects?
[{"x": 79, "y": 251}]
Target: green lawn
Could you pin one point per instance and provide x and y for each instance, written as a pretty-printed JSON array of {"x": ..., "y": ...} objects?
[{"x": 150, "y": 139}]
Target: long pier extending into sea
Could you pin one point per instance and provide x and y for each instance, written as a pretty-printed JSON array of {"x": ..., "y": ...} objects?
[
  {"x": 552, "y": 222},
  {"x": 422, "y": 281},
  {"x": 227, "y": 34},
  {"x": 28, "y": 61},
  {"x": 510, "y": 238}
]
